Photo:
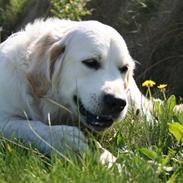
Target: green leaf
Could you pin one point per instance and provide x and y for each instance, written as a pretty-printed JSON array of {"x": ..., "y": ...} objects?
[
  {"x": 171, "y": 102},
  {"x": 158, "y": 109},
  {"x": 119, "y": 139},
  {"x": 173, "y": 177},
  {"x": 149, "y": 153},
  {"x": 176, "y": 129}
]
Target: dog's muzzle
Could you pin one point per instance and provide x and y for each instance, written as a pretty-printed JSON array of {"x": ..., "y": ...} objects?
[{"x": 112, "y": 110}]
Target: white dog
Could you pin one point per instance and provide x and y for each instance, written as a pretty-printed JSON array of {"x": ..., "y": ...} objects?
[{"x": 57, "y": 73}]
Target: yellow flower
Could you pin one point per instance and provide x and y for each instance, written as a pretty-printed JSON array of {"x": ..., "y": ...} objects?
[
  {"x": 148, "y": 83},
  {"x": 162, "y": 86}
]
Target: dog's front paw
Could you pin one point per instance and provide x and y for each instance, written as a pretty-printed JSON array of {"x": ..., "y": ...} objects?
[{"x": 107, "y": 158}]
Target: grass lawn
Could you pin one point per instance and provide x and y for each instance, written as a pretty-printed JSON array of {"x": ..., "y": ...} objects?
[{"x": 147, "y": 153}]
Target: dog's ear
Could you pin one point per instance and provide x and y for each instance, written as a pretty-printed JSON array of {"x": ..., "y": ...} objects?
[
  {"x": 128, "y": 78},
  {"x": 44, "y": 53},
  {"x": 55, "y": 52},
  {"x": 130, "y": 73}
]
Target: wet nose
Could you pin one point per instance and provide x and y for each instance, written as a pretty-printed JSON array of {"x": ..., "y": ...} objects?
[{"x": 114, "y": 104}]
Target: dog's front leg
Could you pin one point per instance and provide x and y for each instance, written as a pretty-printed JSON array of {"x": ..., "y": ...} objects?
[
  {"x": 45, "y": 138},
  {"x": 138, "y": 102}
]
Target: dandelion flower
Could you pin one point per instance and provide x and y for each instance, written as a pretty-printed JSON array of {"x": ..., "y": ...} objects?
[
  {"x": 162, "y": 86},
  {"x": 148, "y": 83}
]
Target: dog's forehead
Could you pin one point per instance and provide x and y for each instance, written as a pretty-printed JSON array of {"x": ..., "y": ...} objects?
[
  {"x": 96, "y": 33},
  {"x": 93, "y": 39},
  {"x": 88, "y": 37}
]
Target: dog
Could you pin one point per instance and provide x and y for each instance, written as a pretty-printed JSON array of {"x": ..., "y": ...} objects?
[{"x": 57, "y": 75}]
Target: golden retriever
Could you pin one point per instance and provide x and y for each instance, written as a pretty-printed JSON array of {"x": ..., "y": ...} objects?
[{"x": 57, "y": 73}]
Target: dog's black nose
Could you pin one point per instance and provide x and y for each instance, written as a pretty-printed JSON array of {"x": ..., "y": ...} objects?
[{"x": 114, "y": 105}]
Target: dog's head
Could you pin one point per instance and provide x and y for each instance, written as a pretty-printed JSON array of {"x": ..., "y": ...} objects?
[{"x": 88, "y": 70}]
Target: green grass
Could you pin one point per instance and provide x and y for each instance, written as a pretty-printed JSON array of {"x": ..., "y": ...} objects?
[{"x": 146, "y": 152}]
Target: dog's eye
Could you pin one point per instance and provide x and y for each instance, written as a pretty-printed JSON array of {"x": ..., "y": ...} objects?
[
  {"x": 123, "y": 69},
  {"x": 91, "y": 63}
]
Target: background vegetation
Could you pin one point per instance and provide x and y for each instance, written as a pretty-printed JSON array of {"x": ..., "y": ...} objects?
[
  {"x": 14, "y": 14},
  {"x": 10, "y": 12},
  {"x": 151, "y": 28},
  {"x": 146, "y": 152}
]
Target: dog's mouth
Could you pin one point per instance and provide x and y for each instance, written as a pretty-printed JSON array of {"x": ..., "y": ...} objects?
[{"x": 93, "y": 121}]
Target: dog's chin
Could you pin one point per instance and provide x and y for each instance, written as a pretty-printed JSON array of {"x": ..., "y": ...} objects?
[{"x": 94, "y": 122}]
